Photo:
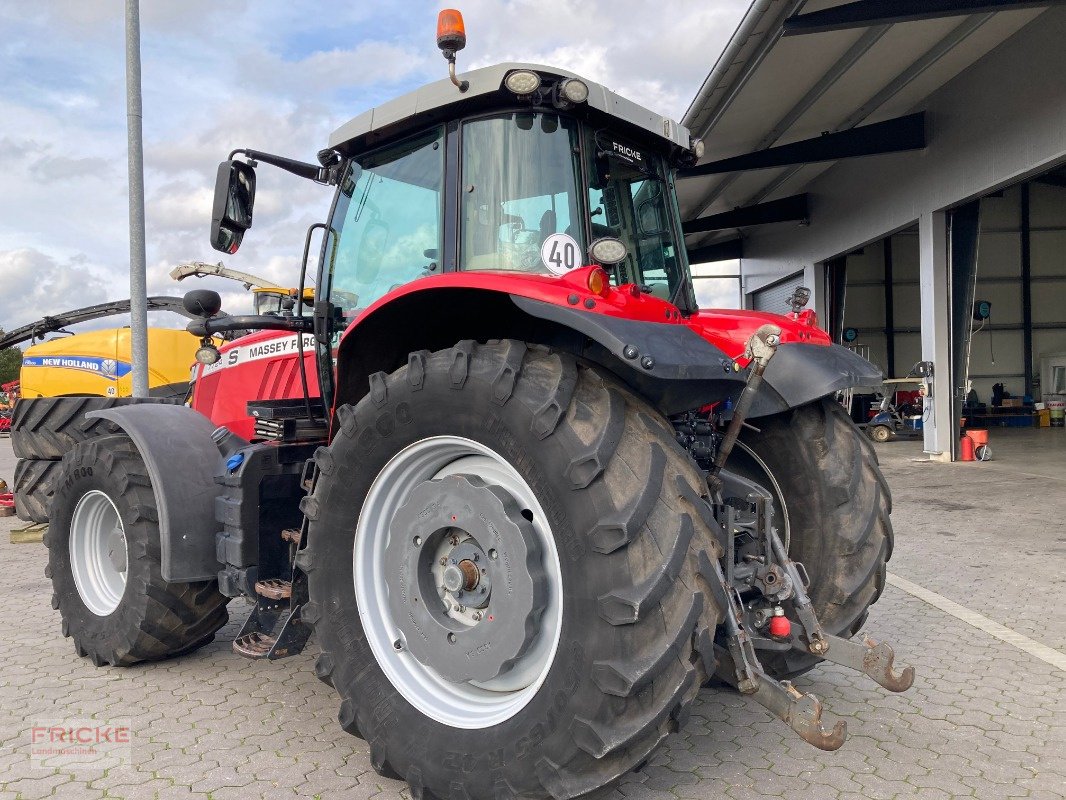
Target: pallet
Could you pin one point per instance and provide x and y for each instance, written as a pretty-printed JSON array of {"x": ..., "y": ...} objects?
[{"x": 31, "y": 534}]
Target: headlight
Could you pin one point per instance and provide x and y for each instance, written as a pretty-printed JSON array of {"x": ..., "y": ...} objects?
[
  {"x": 698, "y": 148},
  {"x": 522, "y": 81},
  {"x": 608, "y": 250},
  {"x": 574, "y": 90},
  {"x": 208, "y": 354}
]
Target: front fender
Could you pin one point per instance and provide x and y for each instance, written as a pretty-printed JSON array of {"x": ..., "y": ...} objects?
[{"x": 176, "y": 446}]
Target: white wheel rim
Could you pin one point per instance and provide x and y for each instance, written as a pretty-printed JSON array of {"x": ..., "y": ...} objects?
[
  {"x": 467, "y": 705},
  {"x": 99, "y": 556}
]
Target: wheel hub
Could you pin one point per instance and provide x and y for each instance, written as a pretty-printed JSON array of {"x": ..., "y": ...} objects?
[{"x": 467, "y": 586}]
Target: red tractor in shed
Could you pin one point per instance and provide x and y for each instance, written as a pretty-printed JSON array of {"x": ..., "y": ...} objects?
[{"x": 528, "y": 497}]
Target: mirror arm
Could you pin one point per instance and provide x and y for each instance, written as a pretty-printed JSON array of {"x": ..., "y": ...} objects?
[
  {"x": 301, "y": 168},
  {"x": 244, "y": 322}
]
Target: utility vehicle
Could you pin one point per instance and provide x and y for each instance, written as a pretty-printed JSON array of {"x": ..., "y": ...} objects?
[{"x": 510, "y": 499}]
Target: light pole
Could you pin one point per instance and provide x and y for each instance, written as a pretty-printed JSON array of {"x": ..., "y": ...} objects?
[{"x": 138, "y": 259}]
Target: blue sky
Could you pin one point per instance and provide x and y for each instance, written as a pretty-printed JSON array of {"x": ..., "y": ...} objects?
[{"x": 276, "y": 76}]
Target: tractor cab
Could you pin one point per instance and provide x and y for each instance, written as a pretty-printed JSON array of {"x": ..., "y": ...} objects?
[
  {"x": 522, "y": 171},
  {"x": 276, "y": 301},
  {"x": 531, "y": 170},
  {"x": 518, "y": 168}
]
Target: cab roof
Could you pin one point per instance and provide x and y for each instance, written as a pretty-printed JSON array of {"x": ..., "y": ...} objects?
[{"x": 430, "y": 100}]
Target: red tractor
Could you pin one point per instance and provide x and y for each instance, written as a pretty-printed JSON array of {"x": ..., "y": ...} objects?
[{"x": 528, "y": 497}]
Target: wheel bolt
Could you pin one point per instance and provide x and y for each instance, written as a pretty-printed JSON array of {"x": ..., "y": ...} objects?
[
  {"x": 398, "y": 645},
  {"x": 493, "y": 555},
  {"x": 477, "y": 616},
  {"x": 444, "y": 562},
  {"x": 418, "y": 541}
]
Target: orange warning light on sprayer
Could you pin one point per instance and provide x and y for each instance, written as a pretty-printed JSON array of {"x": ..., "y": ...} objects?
[{"x": 451, "y": 32}]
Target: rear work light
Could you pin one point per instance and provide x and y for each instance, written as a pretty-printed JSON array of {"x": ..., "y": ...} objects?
[
  {"x": 522, "y": 81},
  {"x": 574, "y": 90}
]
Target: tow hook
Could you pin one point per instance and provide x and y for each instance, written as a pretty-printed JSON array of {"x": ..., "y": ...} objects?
[
  {"x": 869, "y": 657},
  {"x": 781, "y": 584},
  {"x": 739, "y": 665},
  {"x": 873, "y": 658}
]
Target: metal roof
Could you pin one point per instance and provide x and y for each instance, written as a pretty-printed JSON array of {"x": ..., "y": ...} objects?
[
  {"x": 488, "y": 80},
  {"x": 769, "y": 88}
]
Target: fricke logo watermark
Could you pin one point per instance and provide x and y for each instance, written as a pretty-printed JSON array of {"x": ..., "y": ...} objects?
[{"x": 88, "y": 743}]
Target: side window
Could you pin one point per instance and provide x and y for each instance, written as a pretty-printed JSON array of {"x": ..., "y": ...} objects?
[{"x": 389, "y": 216}]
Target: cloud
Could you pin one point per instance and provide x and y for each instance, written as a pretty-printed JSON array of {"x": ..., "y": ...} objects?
[
  {"x": 62, "y": 168},
  {"x": 36, "y": 285}
]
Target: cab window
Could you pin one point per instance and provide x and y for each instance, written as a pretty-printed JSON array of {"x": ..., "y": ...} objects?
[
  {"x": 519, "y": 186},
  {"x": 388, "y": 222}
]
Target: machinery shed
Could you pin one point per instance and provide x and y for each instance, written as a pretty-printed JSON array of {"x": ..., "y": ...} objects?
[{"x": 905, "y": 159}]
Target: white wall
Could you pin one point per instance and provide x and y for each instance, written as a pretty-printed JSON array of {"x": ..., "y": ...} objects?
[{"x": 997, "y": 121}]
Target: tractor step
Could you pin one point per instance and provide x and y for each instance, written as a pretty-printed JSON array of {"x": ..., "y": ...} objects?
[
  {"x": 274, "y": 629},
  {"x": 291, "y": 535},
  {"x": 274, "y": 589},
  {"x": 254, "y": 645}
]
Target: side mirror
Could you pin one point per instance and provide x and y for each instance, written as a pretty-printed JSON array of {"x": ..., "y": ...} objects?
[{"x": 232, "y": 212}]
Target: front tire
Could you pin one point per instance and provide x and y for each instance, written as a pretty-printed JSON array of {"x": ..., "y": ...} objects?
[
  {"x": 611, "y": 667},
  {"x": 34, "y": 485},
  {"x": 835, "y": 504},
  {"x": 104, "y": 562}
]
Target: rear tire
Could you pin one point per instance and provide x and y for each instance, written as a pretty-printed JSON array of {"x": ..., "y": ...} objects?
[
  {"x": 34, "y": 485},
  {"x": 47, "y": 427},
  {"x": 825, "y": 471},
  {"x": 620, "y": 499},
  {"x": 104, "y": 496}
]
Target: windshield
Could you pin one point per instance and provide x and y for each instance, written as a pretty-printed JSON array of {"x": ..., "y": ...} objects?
[
  {"x": 629, "y": 199},
  {"x": 388, "y": 221},
  {"x": 520, "y": 199}
]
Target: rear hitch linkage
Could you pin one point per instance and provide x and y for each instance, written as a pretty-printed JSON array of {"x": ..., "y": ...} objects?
[{"x": 782, "y": 582}]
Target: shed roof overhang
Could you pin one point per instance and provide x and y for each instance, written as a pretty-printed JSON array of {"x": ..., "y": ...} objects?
[{"x": 804, "y": 82}]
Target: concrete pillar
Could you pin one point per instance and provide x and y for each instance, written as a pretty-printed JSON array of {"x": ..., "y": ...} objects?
[{"x": 936, "y": 331}]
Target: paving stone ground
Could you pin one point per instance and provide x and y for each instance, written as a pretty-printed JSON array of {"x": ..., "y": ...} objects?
[{"x": 984, "y": 719}]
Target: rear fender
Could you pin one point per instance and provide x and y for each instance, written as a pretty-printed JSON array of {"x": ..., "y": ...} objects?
[
  {"x": 801, "y": 373},
  {"x": 176, "y": 446},
  {"x": 643, "y": 341},
  {"x": 686, "y": 371}
]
